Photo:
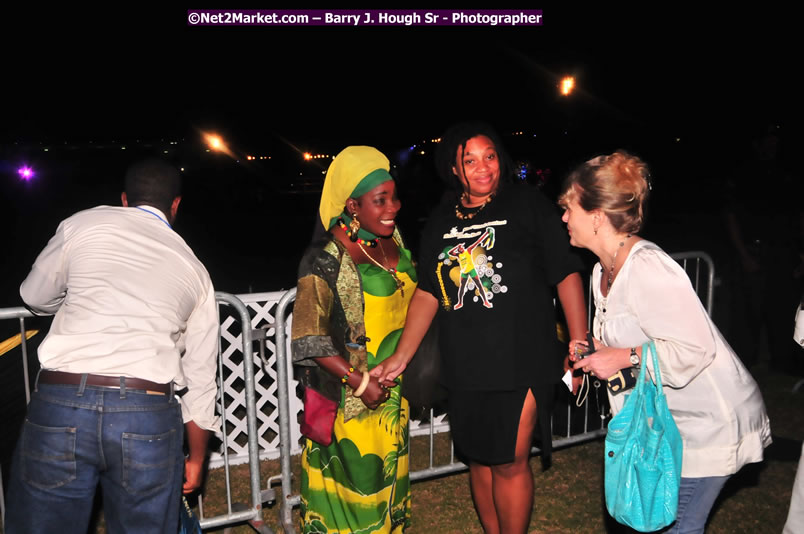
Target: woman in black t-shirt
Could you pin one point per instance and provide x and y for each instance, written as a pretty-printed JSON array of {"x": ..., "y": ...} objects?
[{"x": 489, "y": 260}]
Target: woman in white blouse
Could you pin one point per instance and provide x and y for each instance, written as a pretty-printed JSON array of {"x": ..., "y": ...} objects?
[{"x": 642, "y": 294}]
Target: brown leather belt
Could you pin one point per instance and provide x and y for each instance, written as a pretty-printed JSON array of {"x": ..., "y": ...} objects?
[{"x": 60, "y": 377}]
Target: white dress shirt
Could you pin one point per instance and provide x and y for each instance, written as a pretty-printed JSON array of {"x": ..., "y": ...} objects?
[
  {"x": 131, "y": 299},
  {"x": 715, "y": 402}
]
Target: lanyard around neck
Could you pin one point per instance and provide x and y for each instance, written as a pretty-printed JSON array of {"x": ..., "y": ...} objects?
[{"x": 155, "y": 215}]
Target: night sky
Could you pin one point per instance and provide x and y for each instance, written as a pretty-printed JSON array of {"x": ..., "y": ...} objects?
[
  {"x": 683, "y": 87},
  {"x": 144, "y": 72}
]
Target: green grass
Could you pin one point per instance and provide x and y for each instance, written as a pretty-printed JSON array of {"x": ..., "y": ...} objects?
[{"x": 568, "y": 496}]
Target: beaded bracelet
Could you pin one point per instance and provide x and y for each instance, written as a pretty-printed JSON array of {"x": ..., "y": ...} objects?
[{"x": 345, "y": 377}]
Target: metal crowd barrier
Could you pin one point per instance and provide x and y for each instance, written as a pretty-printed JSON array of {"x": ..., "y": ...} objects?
[
  {"x": 251, "y": 512},
  {"x": 271, "y": 380},
  {"x": 698, "y": 266},
  {"x": 283, "y": 366},
  {"x": 20, "y": 314},
  {"x": 701, "y": 269}
]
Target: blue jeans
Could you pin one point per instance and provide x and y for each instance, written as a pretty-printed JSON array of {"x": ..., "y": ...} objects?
[
  {"x": 696, "y": 496},
  {"x": 73, "y": 438}
]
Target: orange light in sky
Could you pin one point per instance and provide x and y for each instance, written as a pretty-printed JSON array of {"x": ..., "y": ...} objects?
[
  {"x": 567, "y": 85},
  {"x": 216, "y": 143}
]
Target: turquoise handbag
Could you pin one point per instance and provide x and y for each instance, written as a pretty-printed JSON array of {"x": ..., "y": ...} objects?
[{"x": 643, "y": 456}]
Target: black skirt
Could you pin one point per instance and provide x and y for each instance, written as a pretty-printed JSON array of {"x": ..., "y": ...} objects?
[{"x": 484, "y": 424}]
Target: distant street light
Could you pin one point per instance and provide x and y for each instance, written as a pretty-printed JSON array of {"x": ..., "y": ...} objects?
[
  {"x": 567, "y": 85},
  {"x": 215, "y": 143}
]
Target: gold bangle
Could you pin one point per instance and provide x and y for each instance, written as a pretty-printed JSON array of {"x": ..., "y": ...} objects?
[{"x": 363, "y": 385}]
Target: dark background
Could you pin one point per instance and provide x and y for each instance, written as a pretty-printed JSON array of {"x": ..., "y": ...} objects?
[
  {"x": 86, "y": 92},
  {"x": 683, "y": 87}
]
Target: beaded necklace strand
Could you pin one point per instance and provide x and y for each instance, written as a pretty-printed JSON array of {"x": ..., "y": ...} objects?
[
  {"x": 464, "y": 216},
  {"x": 368, "y": 242}
]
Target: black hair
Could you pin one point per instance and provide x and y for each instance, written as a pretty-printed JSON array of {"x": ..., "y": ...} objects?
[
  {"x": 456, "y": 136},
  {"x": 153, "y": 182}
]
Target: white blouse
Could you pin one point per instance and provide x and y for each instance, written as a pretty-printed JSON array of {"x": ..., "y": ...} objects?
[{"x": 715, "y": 402}]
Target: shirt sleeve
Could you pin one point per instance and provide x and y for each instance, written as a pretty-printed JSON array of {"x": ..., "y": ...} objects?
[
  {"x": 670, "y": 312},
  {"x": 45, "y": 287},
  {"x": 199, "y": 364},
  {"x": 310, "y": 334}
]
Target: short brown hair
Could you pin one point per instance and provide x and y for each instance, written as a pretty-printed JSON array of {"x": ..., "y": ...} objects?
[{"x": 617, "y": 184}]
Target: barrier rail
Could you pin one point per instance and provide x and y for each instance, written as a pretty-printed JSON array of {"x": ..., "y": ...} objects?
[
  {"x": 286, "y": 439},
  {"x": 20, "y": 314},
  {"x": 436, "y": 425},
  {"x": 701, "y": 269},
  {"x": 265, "y": 390},
  {"x": 698, "y": 266},
  {"x": 253, "y": 511}
]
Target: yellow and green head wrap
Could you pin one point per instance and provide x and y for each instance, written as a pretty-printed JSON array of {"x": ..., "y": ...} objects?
[{"x": 353, "y": 173}]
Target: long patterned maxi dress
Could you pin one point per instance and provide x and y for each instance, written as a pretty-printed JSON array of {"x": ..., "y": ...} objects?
[{"x": 360, "y": 483}]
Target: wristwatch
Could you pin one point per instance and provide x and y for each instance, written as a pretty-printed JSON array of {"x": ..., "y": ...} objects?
[{"x": 634, "y": 357}]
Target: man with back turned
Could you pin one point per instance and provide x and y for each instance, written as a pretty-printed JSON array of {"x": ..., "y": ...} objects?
[{"x": 135, "y": 320}]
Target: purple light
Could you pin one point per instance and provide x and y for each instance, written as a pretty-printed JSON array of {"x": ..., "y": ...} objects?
[{"x": 25, "y": 172}]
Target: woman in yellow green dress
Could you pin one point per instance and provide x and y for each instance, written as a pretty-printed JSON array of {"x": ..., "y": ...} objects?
[{"x": 355, "y": 284}]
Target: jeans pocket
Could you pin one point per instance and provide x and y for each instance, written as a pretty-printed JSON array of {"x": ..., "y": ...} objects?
[
  {"x": 148, "y": 461},
  {"x": 47, "y": 455}
]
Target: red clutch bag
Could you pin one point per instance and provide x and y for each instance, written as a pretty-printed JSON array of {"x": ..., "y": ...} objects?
[{"x": 319, "y": 417}]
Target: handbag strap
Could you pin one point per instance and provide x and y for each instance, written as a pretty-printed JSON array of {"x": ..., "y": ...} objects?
[{"x": 650, "y": 346}]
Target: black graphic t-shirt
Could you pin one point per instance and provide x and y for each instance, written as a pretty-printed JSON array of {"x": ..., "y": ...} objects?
[{"x": 516, "y": 248}]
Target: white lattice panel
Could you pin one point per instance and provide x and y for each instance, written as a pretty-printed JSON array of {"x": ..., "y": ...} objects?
[
  {"x": 262, "y": 307},
  {"x": 440, "y": 424}
]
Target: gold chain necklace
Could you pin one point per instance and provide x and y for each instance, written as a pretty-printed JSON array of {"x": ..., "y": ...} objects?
[
  {"x": 464, "y": 216},
  {"x": 390, "y": 270}
]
